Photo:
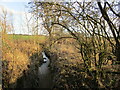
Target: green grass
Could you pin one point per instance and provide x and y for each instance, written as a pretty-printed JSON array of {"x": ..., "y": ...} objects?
[{"x": 25, "y": 37}]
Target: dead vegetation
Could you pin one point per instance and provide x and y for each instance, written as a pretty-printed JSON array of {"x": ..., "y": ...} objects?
[
  {"x": 88, "y": 59},
  {"x": 70, "y": 72},
  {"x": 19, "y": 56}
]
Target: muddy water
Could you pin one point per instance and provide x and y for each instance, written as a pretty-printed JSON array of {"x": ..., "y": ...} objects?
[{"x": 45, "y": 79}]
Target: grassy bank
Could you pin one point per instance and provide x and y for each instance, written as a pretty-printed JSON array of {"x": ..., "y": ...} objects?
[
  {"x": 22, "y": 57},
  {"x": 70, "y": 73},
  {"x": 20, "y": 54}
]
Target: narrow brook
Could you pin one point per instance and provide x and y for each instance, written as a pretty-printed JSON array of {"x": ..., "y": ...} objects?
[{"x": 44, "y": 73}]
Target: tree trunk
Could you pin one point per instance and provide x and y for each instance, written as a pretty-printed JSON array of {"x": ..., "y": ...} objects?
[{"x": 113, "y": 29}]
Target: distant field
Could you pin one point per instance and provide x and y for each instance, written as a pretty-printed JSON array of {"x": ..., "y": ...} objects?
[{"x": 25, "y": 37}]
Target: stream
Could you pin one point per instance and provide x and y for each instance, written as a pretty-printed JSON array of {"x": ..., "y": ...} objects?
[{"x": 44, "y": 73}]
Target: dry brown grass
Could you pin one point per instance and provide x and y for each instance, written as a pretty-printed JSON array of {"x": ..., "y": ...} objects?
[
  {"x": 16, "y": 57},
  {"x": 67, "y": 50},
  {"x": 69, "y": 71}
]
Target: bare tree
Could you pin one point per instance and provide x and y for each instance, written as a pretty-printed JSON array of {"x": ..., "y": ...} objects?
[
  {"x": 114, "y": 29},
  {"x": 6, "y": 24},
  {"x": 88, "y": 23}
]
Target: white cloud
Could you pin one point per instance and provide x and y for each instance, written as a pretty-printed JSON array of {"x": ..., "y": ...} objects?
[
  {"x": 10, "y": 10},
  {"x": 18, "y": 19}
]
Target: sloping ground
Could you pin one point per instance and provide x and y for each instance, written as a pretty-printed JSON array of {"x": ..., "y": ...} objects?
[
  {"x": 30, "y": 77},
  {"x": 21, "y": 58},
  {"x": 38, "y": 76},
  {"x": 69, "y": 72}
]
